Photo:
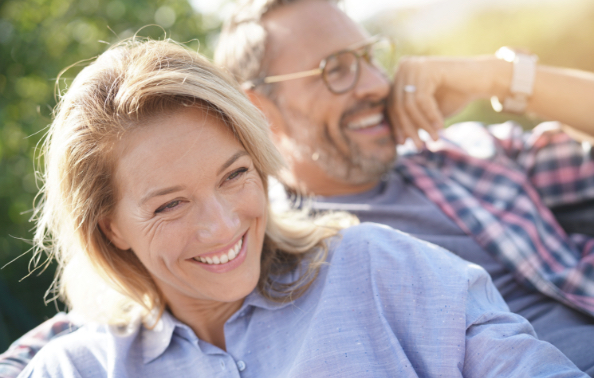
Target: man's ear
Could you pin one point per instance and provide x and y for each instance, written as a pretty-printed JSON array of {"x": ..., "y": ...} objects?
[
  {"x": 271, "y": 112},
  {"x": 111, "y": 230}
]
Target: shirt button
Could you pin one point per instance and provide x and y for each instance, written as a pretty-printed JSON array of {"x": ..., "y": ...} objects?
[{"x": 241, "y": 365}]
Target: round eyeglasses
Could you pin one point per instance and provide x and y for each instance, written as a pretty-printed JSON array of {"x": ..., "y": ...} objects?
[{"x": 340, "y": 71}]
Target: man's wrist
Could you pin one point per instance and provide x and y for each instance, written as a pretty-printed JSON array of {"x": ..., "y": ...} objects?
[
  {"x": 487, "y": 76},
  {"x": 502, "y": 76}
]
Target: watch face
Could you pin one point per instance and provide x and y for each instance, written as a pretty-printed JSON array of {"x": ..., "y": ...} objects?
[{"x": 523, "y": 76}]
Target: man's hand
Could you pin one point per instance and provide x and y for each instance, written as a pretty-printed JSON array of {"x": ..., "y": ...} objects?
[{"x": 428, "y": 89}]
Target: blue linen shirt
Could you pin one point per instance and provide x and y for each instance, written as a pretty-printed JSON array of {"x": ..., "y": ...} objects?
[{"x": 385, "y": 305}]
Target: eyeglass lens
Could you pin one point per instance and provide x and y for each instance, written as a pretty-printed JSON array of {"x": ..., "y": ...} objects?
[{"x": 341, "y": 70}]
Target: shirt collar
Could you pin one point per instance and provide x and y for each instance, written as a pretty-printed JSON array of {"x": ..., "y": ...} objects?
[
  {"x": 256, "y": 299},
  {"x": 156, "y": 339}
]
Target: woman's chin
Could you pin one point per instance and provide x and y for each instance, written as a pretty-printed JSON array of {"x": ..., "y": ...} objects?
[{"x": 235, "y": 292}]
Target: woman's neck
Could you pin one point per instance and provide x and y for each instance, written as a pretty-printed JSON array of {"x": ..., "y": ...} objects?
[{"x": 207, "y": 319}]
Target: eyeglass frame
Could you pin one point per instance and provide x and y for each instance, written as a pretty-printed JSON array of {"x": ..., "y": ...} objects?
[{"x": 251, "y": 84}]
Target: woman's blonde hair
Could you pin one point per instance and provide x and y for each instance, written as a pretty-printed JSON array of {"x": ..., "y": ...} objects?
[{"x": 127, "y": 84}]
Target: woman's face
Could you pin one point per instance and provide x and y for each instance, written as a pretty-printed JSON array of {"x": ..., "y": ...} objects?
[{"x": 191, "y": 206}]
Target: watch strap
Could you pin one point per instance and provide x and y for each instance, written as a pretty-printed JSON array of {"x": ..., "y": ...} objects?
[{"x": 522, "y": 83}]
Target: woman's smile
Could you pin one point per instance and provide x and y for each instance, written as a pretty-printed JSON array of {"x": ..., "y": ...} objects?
[{"x": 225, "y": 259}]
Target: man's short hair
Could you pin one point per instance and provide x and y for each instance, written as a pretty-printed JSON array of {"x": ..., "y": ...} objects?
[{"x": 242, "y": 47}]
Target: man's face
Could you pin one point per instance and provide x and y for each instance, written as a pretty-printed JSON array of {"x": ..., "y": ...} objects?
[{"x": 335, "y": 144}]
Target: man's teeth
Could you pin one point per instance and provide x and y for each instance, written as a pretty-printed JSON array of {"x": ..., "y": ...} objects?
[
  {"x": 365, "y": 122},
  {"x": 223, "y": 258}
]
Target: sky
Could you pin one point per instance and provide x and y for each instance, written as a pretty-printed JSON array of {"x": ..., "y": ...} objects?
[
  {"x": 357, "y": 9},
  {"x": 362, "y": 9}
]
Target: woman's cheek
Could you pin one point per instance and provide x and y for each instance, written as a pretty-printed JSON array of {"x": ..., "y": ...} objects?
[
  {"x": 166, "y": 239},
  {"x": 253, "y": 197}
]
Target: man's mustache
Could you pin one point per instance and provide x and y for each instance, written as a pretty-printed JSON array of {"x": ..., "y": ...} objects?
[
  {"x": 362, "y": 106},
  {"x": 366, "y": 105}
]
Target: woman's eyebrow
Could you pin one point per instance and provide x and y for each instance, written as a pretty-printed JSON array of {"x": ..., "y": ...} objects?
[
  {"x": 232, "y": 160},
  {"x": 159, "y": 192},
  {"x": 164, "y": 191}
]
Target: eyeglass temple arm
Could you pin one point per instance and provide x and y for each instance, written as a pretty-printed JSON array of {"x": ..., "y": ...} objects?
[
  {"x": 296, "y": 75},
  {"x": 251, "y": 84}
]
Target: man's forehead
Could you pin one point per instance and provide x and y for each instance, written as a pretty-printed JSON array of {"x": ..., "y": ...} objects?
[{"x": 311, "y": 28}]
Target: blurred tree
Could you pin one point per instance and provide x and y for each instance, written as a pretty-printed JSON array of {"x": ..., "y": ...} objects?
[{"x": 39, "y": 38}]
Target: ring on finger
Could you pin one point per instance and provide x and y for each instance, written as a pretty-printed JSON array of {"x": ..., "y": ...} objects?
[{"x": 409, "y": 88}]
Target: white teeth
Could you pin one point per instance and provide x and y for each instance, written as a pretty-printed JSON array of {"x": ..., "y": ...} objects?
[
  {"x": 364, "y": 122},
  {"x": 224, "y": 258}
]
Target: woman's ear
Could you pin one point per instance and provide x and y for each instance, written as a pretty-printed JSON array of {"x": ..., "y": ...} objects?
[
  {"x": 111, "y": 230},
  {"x": 271, "y": 112}
]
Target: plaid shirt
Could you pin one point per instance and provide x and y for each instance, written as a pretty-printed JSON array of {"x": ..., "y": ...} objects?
[
  {"x": 497, "y": 186},
  {"x": 14, "y": 360}
]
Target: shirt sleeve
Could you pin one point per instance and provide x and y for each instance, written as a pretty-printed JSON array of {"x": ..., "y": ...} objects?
[
  {"x": 18, "y": 355},
  {"x": 50, "y": 366},
  {"x": 559, "y": 167},
  {"x": 503, "y": 344}
]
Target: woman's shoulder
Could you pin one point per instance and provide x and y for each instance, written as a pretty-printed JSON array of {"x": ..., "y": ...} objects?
[
  {"x": 384, "y": 249},
  {"x": 397, "y": 244},
  {"x": 85, "y": 352},
  {"x": 388, "y": 271}
]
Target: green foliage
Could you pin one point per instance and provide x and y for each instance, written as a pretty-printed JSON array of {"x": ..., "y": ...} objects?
[{"x": 39, "y": 38}]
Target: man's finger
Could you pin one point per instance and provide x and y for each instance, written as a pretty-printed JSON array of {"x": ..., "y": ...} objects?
[
  {"x": 431, "y": 112},
  {"x": 416, "y": 115},
  {"x": 408, "y": 128}
]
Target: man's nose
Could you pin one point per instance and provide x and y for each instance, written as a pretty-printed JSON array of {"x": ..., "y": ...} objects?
[
  {"x": 216, "y": 221},
  {"x": 373, "y": 82}
]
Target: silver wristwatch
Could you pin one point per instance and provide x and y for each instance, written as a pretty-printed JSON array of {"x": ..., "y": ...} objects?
[{"x": 522, "y": 84}]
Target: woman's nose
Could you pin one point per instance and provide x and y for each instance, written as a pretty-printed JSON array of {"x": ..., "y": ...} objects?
[{"x": 216, "y": 221}]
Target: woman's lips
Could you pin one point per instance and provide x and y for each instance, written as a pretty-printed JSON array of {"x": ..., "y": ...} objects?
[
  {"x": 223, "y": 257},
  {"x": 222, "y": 266}
]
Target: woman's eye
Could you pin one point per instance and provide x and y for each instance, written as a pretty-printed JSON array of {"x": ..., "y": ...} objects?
[
  {"x": 168, "y": 206},
  {"x": 236, "y": 173}
]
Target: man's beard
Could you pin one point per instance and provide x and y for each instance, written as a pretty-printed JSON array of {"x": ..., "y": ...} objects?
[{"x": 311, "y": 141}]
